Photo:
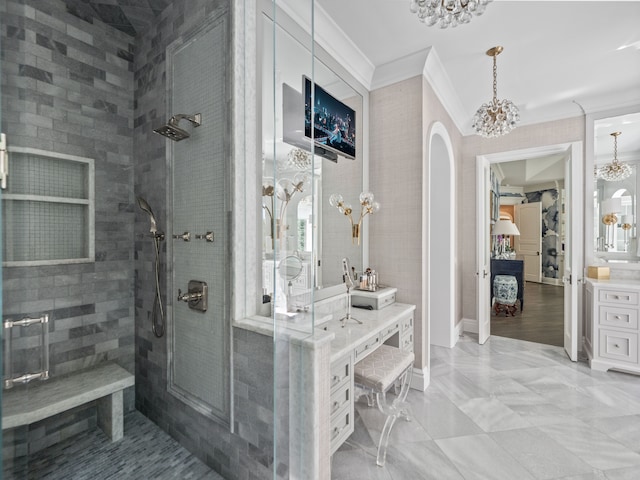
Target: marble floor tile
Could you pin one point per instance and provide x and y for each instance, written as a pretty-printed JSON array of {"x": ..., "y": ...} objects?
[
  {"x": 625, "y": 430},
  {"x": 480, "y": 457},
  {"x": 492, "y": 415},
  {"x": 443, "y": 419},
  {"x": 540, "y": 455},
  {"x": 520, "y": 393},
  {"x": 592, "y": 446}
]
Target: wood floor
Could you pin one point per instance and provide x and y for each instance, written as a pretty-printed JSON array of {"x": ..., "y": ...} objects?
[{"x": 542, "y": 320}]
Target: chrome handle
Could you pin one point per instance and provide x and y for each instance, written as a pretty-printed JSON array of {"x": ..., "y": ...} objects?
[
  {"x": 189, "y": 297},
  {"x": 206, "y": 236},
  {"x": 186, "y": 236}
]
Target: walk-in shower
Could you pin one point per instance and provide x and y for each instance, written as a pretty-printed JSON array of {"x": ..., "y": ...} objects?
[
  {"x": 173, "y": 132},
  {"x": 157, "y": 313}
]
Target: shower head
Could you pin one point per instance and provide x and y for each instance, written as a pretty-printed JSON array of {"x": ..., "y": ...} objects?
[
  {"x": 173, "y": 132},
  {"x": 142, "y": 203}
]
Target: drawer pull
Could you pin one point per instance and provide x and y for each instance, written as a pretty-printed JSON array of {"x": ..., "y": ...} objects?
[
  {"x": 336, "y": 405},
  {"x": 336, "y": 432},
  {"x": 336, "y": 379},
  {"x": 616, "y": 345}
]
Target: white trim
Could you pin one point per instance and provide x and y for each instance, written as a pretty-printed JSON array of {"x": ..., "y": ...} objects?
[
  {"x": 429, "y": 203},
  {"x": 331, "y": 38},
  {"x": 420, "y": 379},
  {"x": 552, "y": 281},
  {"x": 469, "y": 325}
]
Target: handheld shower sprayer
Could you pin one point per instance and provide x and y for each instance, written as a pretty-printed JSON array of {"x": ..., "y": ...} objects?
[
  {"x": 173, "y": 132},
  {"x": 157, "y": 314}
]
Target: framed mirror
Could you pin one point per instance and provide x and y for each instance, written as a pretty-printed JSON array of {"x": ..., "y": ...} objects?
[
  {"x": 298, "y": 174},
  {"x": 616, "y": 157}
]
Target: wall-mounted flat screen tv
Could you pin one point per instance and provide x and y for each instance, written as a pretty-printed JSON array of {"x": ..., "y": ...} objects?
[{"x": 334, "y": 123}]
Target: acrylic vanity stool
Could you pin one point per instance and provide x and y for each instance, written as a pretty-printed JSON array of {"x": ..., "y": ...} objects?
[{"x": 377, "y": 373}]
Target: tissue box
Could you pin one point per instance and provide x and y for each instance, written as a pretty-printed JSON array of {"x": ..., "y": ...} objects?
[
  {"x": 599, "y": 273},
  {"x": 377, "y": 300}
]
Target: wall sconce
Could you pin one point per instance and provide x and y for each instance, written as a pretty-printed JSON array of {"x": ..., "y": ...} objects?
[
  {"x": 284, "y": 191},
  {"x": 503, "y": 229},
  {"x": 368, "y": 206},
  {"x": 627, "y": 224},
  {"x": 609, "y": 208}
]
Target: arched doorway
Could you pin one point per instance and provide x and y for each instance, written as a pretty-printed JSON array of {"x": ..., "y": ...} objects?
[{"x": 441, "y": 235}]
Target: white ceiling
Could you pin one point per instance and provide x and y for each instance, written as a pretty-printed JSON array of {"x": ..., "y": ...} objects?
[{"x": 558, "y": 56}]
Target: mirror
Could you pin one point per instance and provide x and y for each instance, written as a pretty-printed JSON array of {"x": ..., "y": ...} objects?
[
  {"x": 297, "y": 220},
  {"x": 615, "y": 200}
]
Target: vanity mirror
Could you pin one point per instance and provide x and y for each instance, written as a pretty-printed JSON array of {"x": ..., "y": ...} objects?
[
  {"x": 299, "y": 176},
  {"x": 616, "y": 185}
]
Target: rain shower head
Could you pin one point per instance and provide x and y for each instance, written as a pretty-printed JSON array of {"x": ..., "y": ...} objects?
[
  {"x": 142, "y": 203},
  {"x": 173, "y": 132}
]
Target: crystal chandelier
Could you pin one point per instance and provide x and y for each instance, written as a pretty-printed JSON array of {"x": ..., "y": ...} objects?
[
  {"x": 614, "y": 171},
  {"x": 447, "y": 12},
  {"x": 500, "y": 116}
]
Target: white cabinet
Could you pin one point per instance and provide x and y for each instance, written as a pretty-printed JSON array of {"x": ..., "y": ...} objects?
[
  {"x": 397, "y": 331},
  {"x": 612, "y": 329}
]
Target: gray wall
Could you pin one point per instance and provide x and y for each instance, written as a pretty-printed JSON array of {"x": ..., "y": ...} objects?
[
  {"x": 67, "y": 86},
  {"x": 248, "y": 453}
]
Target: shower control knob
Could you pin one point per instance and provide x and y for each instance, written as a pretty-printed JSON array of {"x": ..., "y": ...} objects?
[
  {"x": 189, "y": 297},
  {"x": 186, "y": 236},
  {"x": 207, "y": 236}
]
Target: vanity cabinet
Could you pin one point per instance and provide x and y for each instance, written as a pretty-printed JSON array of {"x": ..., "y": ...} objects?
[
  {"x": 611, "y": 327},
  {"x": 392, "y": 326}
]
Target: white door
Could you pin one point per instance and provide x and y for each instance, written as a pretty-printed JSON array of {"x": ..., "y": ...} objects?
[
  {"x": 528, "y": 219},
  {"x": 483, "y": 254},
  {"x": 573, "y": 205}
]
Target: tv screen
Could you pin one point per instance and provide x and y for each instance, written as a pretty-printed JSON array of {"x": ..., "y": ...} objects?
[{"x": 334, "y": 123}]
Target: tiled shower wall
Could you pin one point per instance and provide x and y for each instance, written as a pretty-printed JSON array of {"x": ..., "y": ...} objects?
[
  {"x": 67, "y": 87},
  {"x": 247, "y": 453}
]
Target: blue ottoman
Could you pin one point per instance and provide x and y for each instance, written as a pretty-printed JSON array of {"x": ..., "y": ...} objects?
[{"x": 505, "y": 293}]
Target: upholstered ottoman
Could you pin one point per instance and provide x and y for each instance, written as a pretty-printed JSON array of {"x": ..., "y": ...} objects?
[{"x": 505, "y": 293}]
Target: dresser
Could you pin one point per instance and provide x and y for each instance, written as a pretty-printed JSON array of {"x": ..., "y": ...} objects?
[{"x": 611, "y": 324}]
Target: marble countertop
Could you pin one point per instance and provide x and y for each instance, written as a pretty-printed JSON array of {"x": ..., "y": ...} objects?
[
  {"x": 329, "y": 327},
  {"x": 615, "y": 282}
]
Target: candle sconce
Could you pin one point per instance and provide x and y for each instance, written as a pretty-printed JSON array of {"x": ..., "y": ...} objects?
[{"x": 367, "y": 204}]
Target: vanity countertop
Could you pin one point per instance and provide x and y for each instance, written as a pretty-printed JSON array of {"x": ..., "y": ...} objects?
[
  {"x": 615, "y": 282},
  {"x": 342, "y": 339}
]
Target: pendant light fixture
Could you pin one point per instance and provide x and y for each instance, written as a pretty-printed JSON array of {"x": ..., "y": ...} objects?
[
  {"x": 498, "y": 117},
  {"x": 616, "y": 170}
]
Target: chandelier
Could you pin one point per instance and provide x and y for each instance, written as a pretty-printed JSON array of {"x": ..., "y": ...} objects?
[
  {"x": 447, "y": 12},
  {"x": 614, "y": 171},
  {"x": 498, "y": 117}
]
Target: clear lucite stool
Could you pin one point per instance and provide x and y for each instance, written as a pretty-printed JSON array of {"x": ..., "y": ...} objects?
[{"x": 377, "y": 373}]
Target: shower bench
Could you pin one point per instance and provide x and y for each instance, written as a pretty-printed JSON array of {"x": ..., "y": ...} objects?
[{"x": 37, "y": 401}]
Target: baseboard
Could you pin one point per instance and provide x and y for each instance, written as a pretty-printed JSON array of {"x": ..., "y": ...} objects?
[
  {"x": 420, "y": 379},
  {"x": 552, "y": 281},
  {"x": 469, "y": 325},
  {"x": 459, "y": 328}
]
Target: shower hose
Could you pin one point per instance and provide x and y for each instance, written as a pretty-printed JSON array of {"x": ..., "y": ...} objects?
[{"x": 157, "y": 313}]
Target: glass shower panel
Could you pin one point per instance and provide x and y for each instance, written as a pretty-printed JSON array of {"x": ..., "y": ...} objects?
[{"x": 289, "y": 225}]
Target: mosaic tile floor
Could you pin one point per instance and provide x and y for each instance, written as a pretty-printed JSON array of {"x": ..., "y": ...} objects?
[
  {"x": 506, "y": 410},
  {"x": 146, "y": 453}
]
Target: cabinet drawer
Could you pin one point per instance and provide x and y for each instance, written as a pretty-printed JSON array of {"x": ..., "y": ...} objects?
[
  {"x": 618, "y": 317},
  {"x": 340, "y": 373},
  {"x": 367, "y": 347},
  {"x": 340, "y": 398},
  {"x": 619, "y": 297},
  {"x": 621, "y": 346},
  {"x": 406, "y": 342},
  {"x": 406, "y": 325},
  {"x": 390, "y": 330},
  {"x": 341, "y": 428}
]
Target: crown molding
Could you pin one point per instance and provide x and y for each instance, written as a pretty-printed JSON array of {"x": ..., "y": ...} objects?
[{"x": 332, "y": 39}]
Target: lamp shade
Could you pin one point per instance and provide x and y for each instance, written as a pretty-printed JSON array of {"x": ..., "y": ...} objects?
[
  {"x": 627, "y": 219},
  {"x": 505, "y": 227},
  {"x": 611, "y": 205}
]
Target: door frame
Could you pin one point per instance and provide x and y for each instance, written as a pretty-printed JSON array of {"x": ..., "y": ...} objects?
[{"x": 576, "y": 189}]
